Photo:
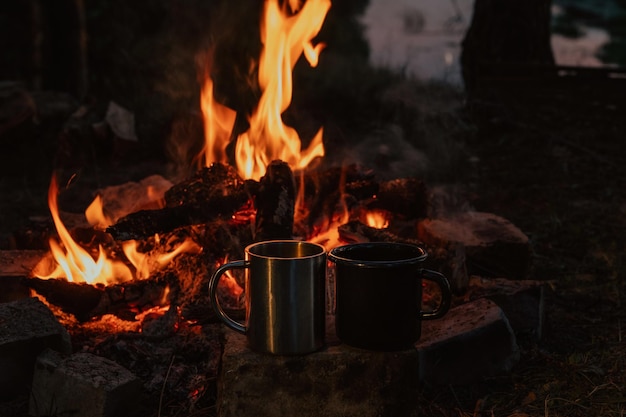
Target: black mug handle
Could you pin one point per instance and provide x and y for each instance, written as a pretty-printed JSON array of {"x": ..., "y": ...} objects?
[{"x": 446, "y": 294}]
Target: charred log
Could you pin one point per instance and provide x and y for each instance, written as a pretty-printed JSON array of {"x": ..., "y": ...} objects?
[
  {"x": 86, "y": 301},
  {"x": 214, "y": 194},
  {"x": 211, "y": 193},
  {"x": 323, "y": 190},
  {"x": 275, "y": 203},
  {"x": 406, "y": 197},
  {"x": 356, "y": 232},
  {"x": 218, "y": 180},
  {"x": 78, "y": 299},
  {"x": 222, "y": 238},
  {"x": 145, "y": 223}
]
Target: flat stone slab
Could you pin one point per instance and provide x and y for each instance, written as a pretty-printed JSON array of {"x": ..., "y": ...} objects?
[
  {"x": 82, "y": 384},
  {"x": 471, "y": 342},
  {"x": 338, "y": 381},
  {"x": 27, "y": 327},
  {"x": 521, "y": 301},
  {"x": 494, "y": 247}
]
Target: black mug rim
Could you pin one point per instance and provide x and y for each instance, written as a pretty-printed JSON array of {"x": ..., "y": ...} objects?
[{"x": 339, "y": 254}]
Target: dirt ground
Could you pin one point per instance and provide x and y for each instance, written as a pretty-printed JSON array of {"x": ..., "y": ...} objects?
[{"x": 552, "y": 161}]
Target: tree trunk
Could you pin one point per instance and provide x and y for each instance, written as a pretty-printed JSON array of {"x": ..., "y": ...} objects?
[{"x": 505, "y": 33}]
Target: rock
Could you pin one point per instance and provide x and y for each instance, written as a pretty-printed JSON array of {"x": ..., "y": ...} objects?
[
  {"x": 82, "y": 384},
  {"x": 19, "y": 262},
  {"x": 27, "y": 327},
  {"x": 494, "y": 247},
  {"x": 336, "y": 381},
  {"x": 473, "y": 341},
  {"x": 521, "y": 301}
]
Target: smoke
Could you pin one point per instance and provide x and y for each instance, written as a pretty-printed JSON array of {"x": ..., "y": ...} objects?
[{"x": 388, "y": 152}]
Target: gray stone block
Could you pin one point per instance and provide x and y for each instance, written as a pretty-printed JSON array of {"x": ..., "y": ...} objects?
[
  {"x": 521, "y": 301},
  {"x": 473, "y": 341},
  {"x": 82, "y": 385},
  {"x": 27, "y": 327},
  {"x": 494, "y": 247}
]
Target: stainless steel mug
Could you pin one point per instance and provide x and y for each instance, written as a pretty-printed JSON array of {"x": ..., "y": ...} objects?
[
  {"x": 284, "y": 296},
  {"x": 378, "y": 294}
]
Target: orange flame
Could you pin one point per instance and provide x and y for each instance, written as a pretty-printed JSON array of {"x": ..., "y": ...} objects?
[
  {"x": 146, "y": 263},
  {"x": 95, "y": 214},
  {"x": 74, "y": 262},
  {"x": 77, "y": 265},
  {"x": 218, "y": 125},
  {"x": 286, "y": 35},
  {"x": 328, "y": 234},
  {"x": 377, "y": 219},
  {"x": 229, "y": 282}
]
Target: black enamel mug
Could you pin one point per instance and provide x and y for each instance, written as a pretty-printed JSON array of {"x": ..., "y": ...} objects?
[{"x": 378, "y": 294}]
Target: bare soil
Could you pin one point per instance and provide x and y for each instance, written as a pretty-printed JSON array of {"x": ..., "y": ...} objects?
[{"x": 552, "y": 161}]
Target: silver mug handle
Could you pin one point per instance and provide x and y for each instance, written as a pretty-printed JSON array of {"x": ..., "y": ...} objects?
[{"x": 215, "y": 279}]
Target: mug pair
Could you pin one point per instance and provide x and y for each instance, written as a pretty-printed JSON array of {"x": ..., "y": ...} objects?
[{"x": 378, "y": 295}]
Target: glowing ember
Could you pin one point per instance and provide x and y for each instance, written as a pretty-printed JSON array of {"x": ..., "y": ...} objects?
[
  {"x": 328, "y": 235},
  {"x": 229, "y": 282},
  {"x": 286, "y": 34}
]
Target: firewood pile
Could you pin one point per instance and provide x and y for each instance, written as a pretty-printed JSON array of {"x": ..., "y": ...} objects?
[{"x": 215, "y": 208}]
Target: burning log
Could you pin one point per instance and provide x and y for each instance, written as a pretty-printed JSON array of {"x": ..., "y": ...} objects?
[
  {"x": 275, "y": 203},
  {"x": 213, "y": 192},
  {"x": 324, "y": 189},
  {"x": 404, "y": 197},
  {"x": 86, "y": 301},
  {"x": 355, "y": 231},
  {"x": 218, "y": 192}
]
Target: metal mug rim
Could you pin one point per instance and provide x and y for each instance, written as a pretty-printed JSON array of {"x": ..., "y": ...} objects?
[{"x": 321, "y": 249}]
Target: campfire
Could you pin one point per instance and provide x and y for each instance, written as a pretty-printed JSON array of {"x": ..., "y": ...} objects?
[
  {"x": 271, "y": 190},
  {"x": 139, "y": 262}
]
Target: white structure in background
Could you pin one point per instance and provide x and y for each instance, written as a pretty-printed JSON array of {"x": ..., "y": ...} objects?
[{"x": 423, "y": 38}]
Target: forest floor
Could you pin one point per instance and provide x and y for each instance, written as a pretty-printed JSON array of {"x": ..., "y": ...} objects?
[{"x": 553, "y": 162}]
